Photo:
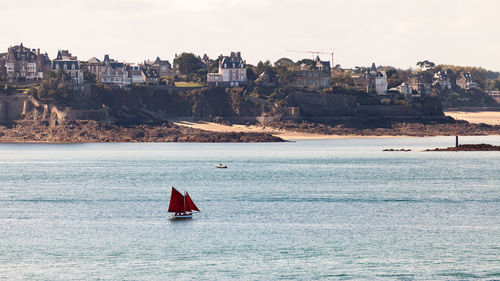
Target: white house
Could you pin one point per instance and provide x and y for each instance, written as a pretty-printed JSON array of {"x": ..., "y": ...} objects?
[{"x": 232, "y": 72}]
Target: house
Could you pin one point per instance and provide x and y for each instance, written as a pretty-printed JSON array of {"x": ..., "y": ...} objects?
[
  {"x": 442, "y": 80},
  {"x": 495, "y": 95},
  {"x": 93, "y": 66},
  {"x": 465, "y": 81},
  {"x": 406, "y": 91},
  {"x": 26, "y": 65},
  {"x": 70, "y": 65},
  {"x": 150, "y": 76},
  {"x": 114, "y": 72},
  {"x": 323, "y": 65},
  {"x": 205, "y": 59},
  {"x": 232, "y": 72},
  {"x": 372, "y": 81},
  {"x": 135, "y": 74},
  {"x": 162, "y": 67},
  {"x": 420, "y": 85}
]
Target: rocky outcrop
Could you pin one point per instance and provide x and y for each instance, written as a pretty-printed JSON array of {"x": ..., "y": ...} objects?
[
  {"x": 93, "y": 131},
  {"x": 389, "y": 127},
  {"x": 469, "y": 147}
]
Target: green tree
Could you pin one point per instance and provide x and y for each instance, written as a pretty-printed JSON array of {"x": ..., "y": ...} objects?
[
  {"x": 263, "y": 66},
  {"x": 426, "y": 64},
  {"x": 495, "y": 85},
  {"x": 251, "y": 75},
  {"x": 189, "y": 64},
  {"x": 284, "y": 62},
  {"x": 55, "y": 85},
  {"x": 309, "y": 63},
  {"x": 89, "y": 76},
  {"x": 341, "y": 79}
]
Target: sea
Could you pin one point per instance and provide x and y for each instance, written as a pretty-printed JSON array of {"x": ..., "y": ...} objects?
[{"x": 339, "y": 209}]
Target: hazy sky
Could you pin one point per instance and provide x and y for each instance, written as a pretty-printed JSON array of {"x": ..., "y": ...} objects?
[{"x": 388, "y": 32}]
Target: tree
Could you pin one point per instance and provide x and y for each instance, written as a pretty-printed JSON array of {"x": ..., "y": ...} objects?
[
  {"x": 495, "y": 85},
  {"x": 263, "y": 66},
  {"x": 55, "y": 85},
  {"x": 189, "y": 64},
  {"x": 89, "y": 76},
  {"x": 284, "y": 62},
  {"x": 341, "y": 79},
  {"x": 309, "y": 63},
  {"x": 426, "y": 64},
  {"x": 251, "y": 76}
]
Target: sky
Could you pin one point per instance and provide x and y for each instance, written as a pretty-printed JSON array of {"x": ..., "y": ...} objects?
[{"x": 388, "y": 32}]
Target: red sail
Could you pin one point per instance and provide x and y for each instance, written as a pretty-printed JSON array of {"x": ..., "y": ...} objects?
[
  {"x": 190, "y": 203},
  {"x": 176, "y": 202}
]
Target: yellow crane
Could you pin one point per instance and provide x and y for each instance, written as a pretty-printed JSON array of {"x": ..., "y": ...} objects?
[{"x": 314, "y": 53}]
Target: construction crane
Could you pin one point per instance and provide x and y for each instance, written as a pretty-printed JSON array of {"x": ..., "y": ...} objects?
[{"x": 314, "y": 53}]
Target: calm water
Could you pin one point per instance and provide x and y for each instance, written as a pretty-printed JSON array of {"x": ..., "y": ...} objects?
[{"x": 336, "y": 209}]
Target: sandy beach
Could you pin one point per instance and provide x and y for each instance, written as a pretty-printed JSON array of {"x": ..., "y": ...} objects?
[
  {"x": 487, "y": 117},
  {"x": 284, "y": 134}
]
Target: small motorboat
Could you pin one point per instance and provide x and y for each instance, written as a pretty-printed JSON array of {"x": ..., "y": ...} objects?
[
  {"x": 221, "y": 166},
  {"x": 181, "y": 205}
]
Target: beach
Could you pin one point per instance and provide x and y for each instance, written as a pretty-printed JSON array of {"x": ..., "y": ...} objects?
[
  {"x": 486, "y": 117},
  {"x": 284, "y": 134}
]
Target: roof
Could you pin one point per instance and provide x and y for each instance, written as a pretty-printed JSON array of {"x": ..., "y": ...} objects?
[
  {"x": 21, "y": 53},
  {"x": 64, "y": 54},
  {"x": 69, "y": 64},
  {"x": 233, "y": 61},
  {"x": 94, "y": 60},
  {"x": 116, "y": 64},
  {"x": 150, "y": 73}
]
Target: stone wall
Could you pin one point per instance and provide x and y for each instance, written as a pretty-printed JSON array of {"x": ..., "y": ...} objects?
[
  {"x": 14, "y": 107},
  {"x": 97, "y": 115},
  {"x": 385, "y": 110},
  {"x": 323, "y": 104}
]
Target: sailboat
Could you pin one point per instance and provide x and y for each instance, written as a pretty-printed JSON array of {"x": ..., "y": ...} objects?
[{"x": 181, "y": 205}]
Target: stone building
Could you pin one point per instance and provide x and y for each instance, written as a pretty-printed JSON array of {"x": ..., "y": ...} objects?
[
  {"x": 232, "y": 72},
  {"x": 372, "y": 81},
  {"x": 465, "y": 81},
  {"x": 162, "y": 67},
  {"x": 420, "y": 85},
  {"x": 93, "y": 66},
  {"x": 70, "y": 65},
  {"x": 26, "y": 65}
]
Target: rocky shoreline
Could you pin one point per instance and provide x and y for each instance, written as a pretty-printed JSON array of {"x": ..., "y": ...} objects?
[
  {"x": 29, "y": 131},
  {"x": 389, "y": 128},
  {"x": 469, "y": 147},
  {"x": 93, "y": 131}
]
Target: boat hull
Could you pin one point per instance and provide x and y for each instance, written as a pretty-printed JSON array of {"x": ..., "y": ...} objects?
[{"x": 181, "y": 217}]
